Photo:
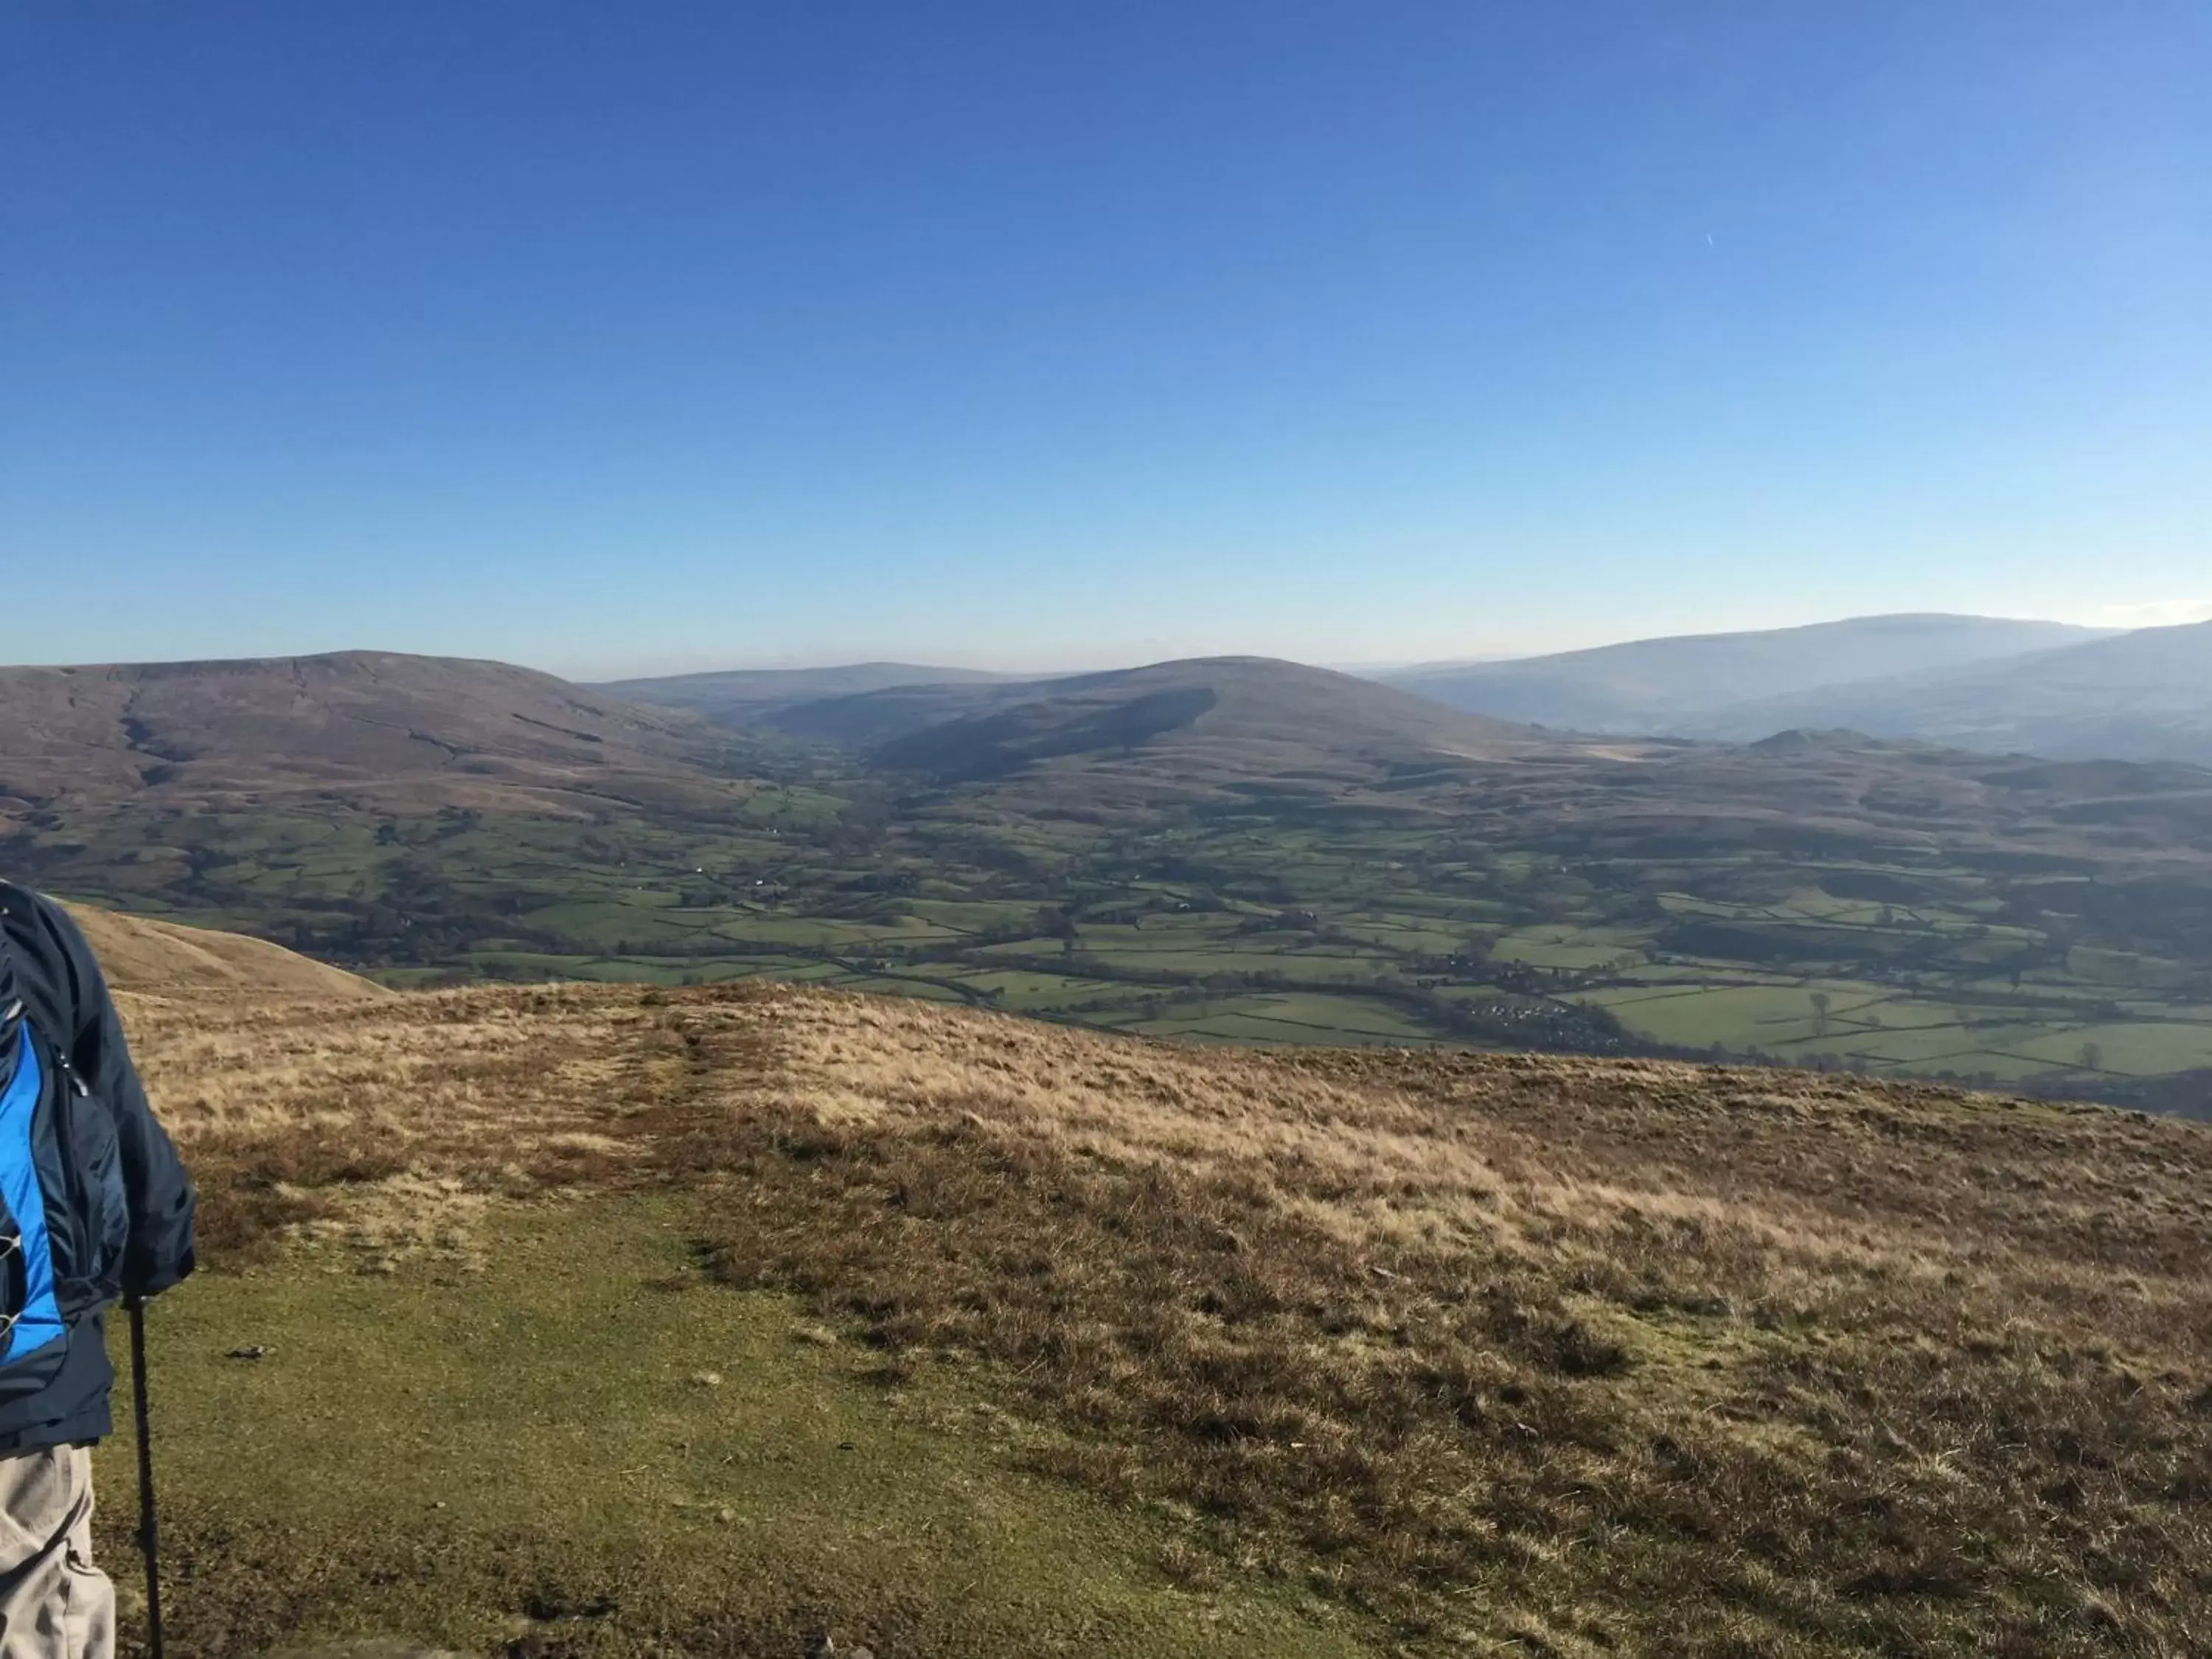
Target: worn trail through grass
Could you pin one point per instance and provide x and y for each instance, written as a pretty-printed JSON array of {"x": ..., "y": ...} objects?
[
  {"x": 1028, "y": 1337},
  {"x": 585, "y": 1448}
]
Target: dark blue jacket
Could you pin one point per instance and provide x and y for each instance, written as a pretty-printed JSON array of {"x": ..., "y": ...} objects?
[{"x": 49, "y": 980}]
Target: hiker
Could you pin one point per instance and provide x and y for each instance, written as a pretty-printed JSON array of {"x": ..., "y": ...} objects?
[{"x": 94, "y": 1207}]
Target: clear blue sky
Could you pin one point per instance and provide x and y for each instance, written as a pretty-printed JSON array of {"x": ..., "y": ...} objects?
[{"x": 615, "y": 336}]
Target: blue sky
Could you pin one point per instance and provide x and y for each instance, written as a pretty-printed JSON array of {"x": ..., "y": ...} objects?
[{"x": 618, "y": 337}]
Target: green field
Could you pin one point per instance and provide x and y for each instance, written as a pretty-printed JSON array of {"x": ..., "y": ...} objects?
[{"x": 1273, "y": 920}]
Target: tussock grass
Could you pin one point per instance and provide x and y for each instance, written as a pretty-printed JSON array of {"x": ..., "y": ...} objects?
[{"x": 1536, "y": 1355}]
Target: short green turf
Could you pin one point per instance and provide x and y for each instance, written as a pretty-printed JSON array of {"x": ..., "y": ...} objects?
[{"x": 585, "y": 1443}]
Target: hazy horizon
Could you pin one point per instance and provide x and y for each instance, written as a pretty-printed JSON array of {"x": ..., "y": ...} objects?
[
  {"x": 620, "y": 341},
  {"x": 2118, "y": 619}
]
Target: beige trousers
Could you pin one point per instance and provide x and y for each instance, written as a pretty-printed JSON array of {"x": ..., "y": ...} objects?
[{"x": 54, "y": 1603}]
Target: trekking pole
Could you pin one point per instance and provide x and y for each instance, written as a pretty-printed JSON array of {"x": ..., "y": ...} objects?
[{"x": 147, "y": 1535}]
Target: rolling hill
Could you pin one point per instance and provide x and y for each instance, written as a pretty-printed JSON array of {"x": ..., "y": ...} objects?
[
  {"x": 2145, "y": 695},
  {"x": 743, "y": 696},
  {"x": 360, "y": 728},
  {"x": 759, "y": 1321},
  {"x": 1208, "y": 720},
  {"x": 1653, "y": 686}
]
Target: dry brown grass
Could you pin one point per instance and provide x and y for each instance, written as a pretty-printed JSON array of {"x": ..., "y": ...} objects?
[
  {"x": 144, "y": 956},
  {"x": 1551, "y": 1355},
  {"x": 385, "y": 1126}
]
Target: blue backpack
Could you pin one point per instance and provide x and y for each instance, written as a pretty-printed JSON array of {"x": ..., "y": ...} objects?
[{"x": 64, "y": 1220}]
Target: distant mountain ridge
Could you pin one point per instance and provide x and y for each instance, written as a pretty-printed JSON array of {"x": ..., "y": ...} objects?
[
  {"x": 2146, "y": 695},
  {"x": 1647, "y": 687},
  {"x": 1977, "y": 683},
  {"x": 389, "y": 732}
]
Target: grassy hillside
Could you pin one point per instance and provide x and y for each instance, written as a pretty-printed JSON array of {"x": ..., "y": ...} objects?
[
  {"x": 142, "y": 957},
  {"x": 609, "y": 1321}
]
